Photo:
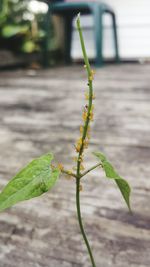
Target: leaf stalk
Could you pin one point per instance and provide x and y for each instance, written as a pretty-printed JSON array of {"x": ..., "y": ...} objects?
[{"x": 91, "y": 169}]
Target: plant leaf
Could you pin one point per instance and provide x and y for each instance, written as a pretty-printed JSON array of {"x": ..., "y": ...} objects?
[
  {"x": 32, "y": 181},
  {"x": 12, "y": 30},
  {"x": 112, "y": 174}
]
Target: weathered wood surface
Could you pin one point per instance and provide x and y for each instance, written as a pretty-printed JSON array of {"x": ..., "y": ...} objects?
[{"x": 41, "y": 113}]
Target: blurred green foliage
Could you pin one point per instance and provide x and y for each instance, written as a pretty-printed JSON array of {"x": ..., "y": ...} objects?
[{"x": 20, "y": 29}]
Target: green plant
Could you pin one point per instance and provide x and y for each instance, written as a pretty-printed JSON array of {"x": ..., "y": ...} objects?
[
  {"x": 20, "y": 25},
  {"x": 40, "y": 175}
]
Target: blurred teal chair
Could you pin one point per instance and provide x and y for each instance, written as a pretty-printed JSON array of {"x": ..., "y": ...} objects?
[{"x": 68, "y": 10}]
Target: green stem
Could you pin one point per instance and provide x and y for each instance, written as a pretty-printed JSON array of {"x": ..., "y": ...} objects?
[
  {"x": 88, "y": 68},
  {"x": 91, "y": 169},
  {"x": 69, "y": 173},
  {"x": 81, "y": 223},
  {"x": 85, "y": 129}
]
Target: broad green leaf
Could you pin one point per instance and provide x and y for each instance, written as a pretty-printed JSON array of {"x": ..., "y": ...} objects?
[
  {"x": 32, "y": 181},
  {"x": 111, "y": 173}
]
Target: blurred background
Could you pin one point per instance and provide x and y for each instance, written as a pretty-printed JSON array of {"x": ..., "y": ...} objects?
[
  {"x": 41, "y": 102},
  {"x": 22, "y": 32}
]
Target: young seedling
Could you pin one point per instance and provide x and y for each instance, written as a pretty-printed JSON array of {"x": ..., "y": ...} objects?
[{"x": 40, "y": 175}]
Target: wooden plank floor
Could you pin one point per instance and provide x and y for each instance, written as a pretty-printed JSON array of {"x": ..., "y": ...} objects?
[{"x": 41, "y": 111}]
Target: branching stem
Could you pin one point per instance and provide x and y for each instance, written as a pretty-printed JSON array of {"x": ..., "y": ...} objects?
[
  {"x": 69, "y": 173},
  {"x": 91, "y": 169},
  {"x": 85, "y": 129}
]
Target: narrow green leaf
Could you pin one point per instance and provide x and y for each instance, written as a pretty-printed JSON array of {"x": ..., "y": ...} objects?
[
  {"x": 32, "y": 181},
  {"x": 112, "y": 174}
]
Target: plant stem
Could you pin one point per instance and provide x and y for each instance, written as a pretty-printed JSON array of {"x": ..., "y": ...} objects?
[
  {"x": 69, "y": 173},
  {"x": 88, "y": 68},
  {"x": 85, "y": 129},
  {"x": 89, "y": 170},
  {"x": 81, "y": 223}
]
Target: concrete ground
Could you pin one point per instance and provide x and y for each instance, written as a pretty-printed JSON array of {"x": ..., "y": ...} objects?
[{"x": 41, "y": 112}]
